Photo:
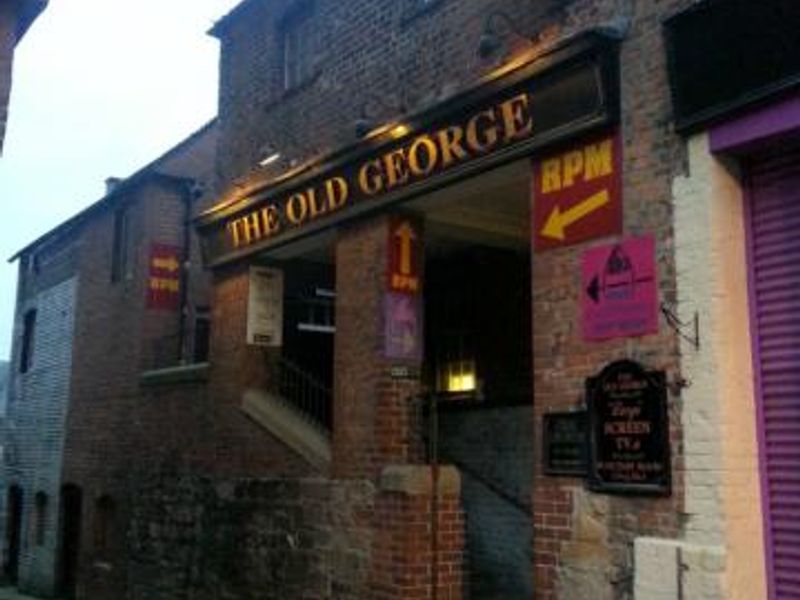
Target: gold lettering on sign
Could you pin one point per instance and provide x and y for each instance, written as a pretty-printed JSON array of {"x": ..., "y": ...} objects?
[
  {"x": 598, "y": 160},
  {"x": 297, "y": 208},
  {"x": 415, "y": 158},
  {"x": 254, "y": 226},
  {"x": 431, "y": 156},
  {"x": 516, "y": 120},
  {"x": 369, "y": 177},
  {"x": 482, "y": 131},
  {"x": 450, "y": 142},
  {"x": 313, "y": 204},
  {"x": 396, "y": 170},
  {"x": 337, "y": 191},
  {"x": 585, "y": 164},
  {"x": 551, "y": 176}
]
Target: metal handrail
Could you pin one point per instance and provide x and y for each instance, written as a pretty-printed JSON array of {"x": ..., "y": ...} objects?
[{"x": 305, "y": 392}]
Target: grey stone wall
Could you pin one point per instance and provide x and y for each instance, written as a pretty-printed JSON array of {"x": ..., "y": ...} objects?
[
  {"x": 191, "y": 537},
  {"x": 493, "y": 448},
  {"x": 38, "y": 402}
]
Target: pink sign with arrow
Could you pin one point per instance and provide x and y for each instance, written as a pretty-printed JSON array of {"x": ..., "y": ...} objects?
[{"x": 620, "y": 290}]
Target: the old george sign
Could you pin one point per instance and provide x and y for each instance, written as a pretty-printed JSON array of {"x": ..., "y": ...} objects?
[
  {"x": 629, "y": 430},
  {"x": 561, "y": 94}
]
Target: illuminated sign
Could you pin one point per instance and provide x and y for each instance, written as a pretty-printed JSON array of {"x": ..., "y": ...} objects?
[
  {"x": 560, "y": 95},
  {"x": 577, "y": 194},
  {"x": 164, "y": 277}
]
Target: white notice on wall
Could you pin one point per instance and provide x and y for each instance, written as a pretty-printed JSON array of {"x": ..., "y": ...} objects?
[{"x": 265, "y": 307}]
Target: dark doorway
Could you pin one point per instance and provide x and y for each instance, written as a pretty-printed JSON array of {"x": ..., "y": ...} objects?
[
  {"x": 478, "y": 364},
  {"x": 71, "y": 510},
  {"x": 13, "y": 532},
  {"x": 478, "y": 356}
]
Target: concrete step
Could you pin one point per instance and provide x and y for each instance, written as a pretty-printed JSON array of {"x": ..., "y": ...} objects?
[{"x": 284, "y": 421}]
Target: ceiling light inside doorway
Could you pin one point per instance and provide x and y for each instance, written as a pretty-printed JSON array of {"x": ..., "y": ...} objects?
[{"x": 459, "y": 377}]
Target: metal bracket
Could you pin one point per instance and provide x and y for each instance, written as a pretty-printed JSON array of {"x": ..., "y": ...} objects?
[{"x": 680, "y": 327}]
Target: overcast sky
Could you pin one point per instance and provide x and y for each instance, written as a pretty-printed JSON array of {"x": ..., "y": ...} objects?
[{"x": 101, "y": 87}]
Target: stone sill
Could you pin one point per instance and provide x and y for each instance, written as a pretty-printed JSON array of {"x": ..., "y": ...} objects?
[{"x": 180, "y": 374}]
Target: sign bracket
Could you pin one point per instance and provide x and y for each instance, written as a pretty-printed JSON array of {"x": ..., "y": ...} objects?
[{"x": 680, "y": 327}]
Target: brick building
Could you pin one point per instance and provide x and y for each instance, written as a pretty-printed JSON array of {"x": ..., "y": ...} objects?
[
  {"x": 501, "y": 298},
  {"x": 94, "y": 312},
  {"x": 16, "y": 16},
  {"x": 490, "y": 169}
]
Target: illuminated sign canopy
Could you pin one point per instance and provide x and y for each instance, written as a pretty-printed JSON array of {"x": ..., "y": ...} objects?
[{"x": 563, "y": 93}]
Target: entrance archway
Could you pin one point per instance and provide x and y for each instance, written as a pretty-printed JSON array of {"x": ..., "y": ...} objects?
[{"x": 478, "y": 364}]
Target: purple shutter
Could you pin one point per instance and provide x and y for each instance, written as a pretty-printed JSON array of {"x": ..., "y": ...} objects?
[{"x": 774, "y": 225}]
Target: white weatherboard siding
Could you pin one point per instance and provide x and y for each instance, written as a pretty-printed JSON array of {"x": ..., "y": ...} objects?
[{"x": 37, "y": 413}]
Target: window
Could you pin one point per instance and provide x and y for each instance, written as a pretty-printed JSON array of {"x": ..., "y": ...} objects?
[
  {"x": 120, "y": 253},
  {"x": 105, "y": 508},
  {"x": 297, "y": 45},
  {"x": 202, "y": 334},
  {"x": 40, "y": 515},
  {"x": 28, "y": 335}
]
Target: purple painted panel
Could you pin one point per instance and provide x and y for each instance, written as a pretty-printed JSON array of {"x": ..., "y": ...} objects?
[
  {"x": 757, "y": 126},
  {"x": 403, "y": 327},
  {"x": 773, "y": 192}
]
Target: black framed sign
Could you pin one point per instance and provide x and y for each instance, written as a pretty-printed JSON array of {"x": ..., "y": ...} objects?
[
  {"x": 564, "y": 440},
  {"x": 628, "y": 430}
]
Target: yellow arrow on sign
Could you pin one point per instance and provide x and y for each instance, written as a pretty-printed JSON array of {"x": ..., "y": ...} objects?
[
  {"x": 406, "y": 234},
  {"x": 557, "y": 222}
]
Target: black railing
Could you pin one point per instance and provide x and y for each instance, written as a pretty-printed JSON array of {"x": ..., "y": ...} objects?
[{"x": 306, "y": 393}]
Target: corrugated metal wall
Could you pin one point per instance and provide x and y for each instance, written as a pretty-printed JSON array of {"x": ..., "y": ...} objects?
[{"x": 775, "y": 263}]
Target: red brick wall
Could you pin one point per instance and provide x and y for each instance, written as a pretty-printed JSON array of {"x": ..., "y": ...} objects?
[
  {"x": 373, "y": 414},
  {"x": 652, "y": 155},
  {"x": 366, "y": 49},
  {"x": 366, "y": 52},
  {"x": 241, "y": 447},
  {"x": 403, "y": 562},
  {"x": 117, "y": 429}
]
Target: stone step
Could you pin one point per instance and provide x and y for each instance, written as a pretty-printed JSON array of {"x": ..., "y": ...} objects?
[{"x": 285, "y": 422}]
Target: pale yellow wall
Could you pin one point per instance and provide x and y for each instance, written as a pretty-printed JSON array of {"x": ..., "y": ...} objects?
[{"x": 719, "y": 415}]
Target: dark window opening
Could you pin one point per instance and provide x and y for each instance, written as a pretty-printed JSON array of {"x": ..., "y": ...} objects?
[
  {"x": 120, "y": 252},
  {"x": 309, "y": 318},
  {"x": 297, "y": 46},
  {"x": 306, "y": 375},
  {"x": 202, "y": 335},
  {"x": 28, "y": 336}
]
